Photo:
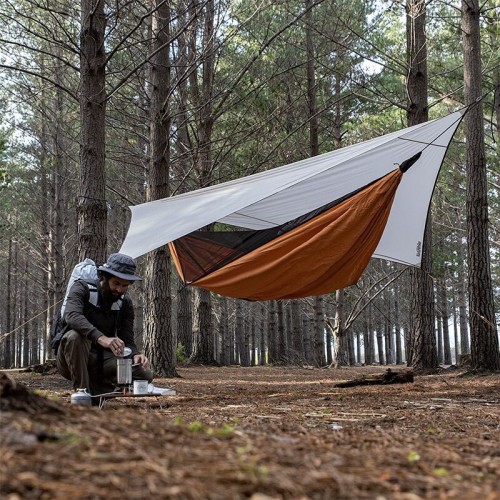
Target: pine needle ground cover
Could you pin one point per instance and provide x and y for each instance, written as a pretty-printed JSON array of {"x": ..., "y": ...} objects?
[{"x": 261, "y": 433}]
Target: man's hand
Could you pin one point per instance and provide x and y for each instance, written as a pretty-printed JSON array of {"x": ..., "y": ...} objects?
[
  {"x": 140, "y": 359},
  {"x": 114, "y": 344}
]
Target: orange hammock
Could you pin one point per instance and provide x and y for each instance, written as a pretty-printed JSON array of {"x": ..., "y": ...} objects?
[{"x": 326, "y": 253}]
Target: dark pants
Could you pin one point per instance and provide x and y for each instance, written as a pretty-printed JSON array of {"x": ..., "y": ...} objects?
[{"x": 76, "y": 362}]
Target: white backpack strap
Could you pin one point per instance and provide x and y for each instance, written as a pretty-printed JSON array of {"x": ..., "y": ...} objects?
[
  {"x": 93, "y": 294},
  {"x": 94, "y": 298}
]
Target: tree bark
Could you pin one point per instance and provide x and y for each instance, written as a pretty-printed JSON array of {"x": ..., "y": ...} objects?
[
  {"x": 296, "y": 330},
  {"x": 462, "y": 302},
  {"x": 380, "y": 343},
  {"x": 92, "y": 209},
  {"x": 225, "y": 358},
  {"x": 185, "y": 319},
  {"x": 7, "y": 344},
  {"x": 422, "y": 320},
  {"x": 388, "y": 342},
  {"x": 159, "y": 340},
  {"x": 26, "y": 335},
  {"x": 262, "y": 335},
  {"x": 306, "y": 335},
  {"x": 358, "y": 347},
  {"x": 443, "y": 306},
  {"x": 239, "y": 326},
  {"x": 203, "y": 343},
  {"x": 439, "y": 341},
  {"x": 483, "y": 329},
  {"x": 397, "y": 327},
  {"x": 203, "y": 99},
  {"x": 281, "y": 333},
  {"x": 369, "y": 338},
  {"x": 422, "y": 311},
  {"x": 318, "y": 334},
  {"x": 253, "y": 342},
  {"x": 245, "y": 334},
  {"x": 388, "y": 328},
  {"x": 272, "y": 336}
]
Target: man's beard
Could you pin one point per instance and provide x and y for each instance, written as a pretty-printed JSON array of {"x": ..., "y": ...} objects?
[{"x": 107, "y": 295}]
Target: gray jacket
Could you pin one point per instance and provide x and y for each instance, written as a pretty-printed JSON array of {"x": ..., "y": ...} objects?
[{"x": 92, "y": 321}]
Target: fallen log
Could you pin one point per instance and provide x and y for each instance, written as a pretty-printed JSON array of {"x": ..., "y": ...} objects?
[
  {"x": 47, "y": 368},
  {"x": 389, "y": 377}
]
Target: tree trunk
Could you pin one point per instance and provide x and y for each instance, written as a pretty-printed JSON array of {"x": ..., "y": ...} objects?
[
  {"x": 422, "y": 323},
  {"x": 483, "y": 329},
  {"x": 182, "y": 144},
  {"x": 239, "y": 327},
  {"x": 297, "y": 332},
  {"x": 16, "y": 303},
  {"x": 456, "y": 338},
  {"x": 288, "y": 332},
  {"x": 380, "y": 343},
  {"x": 306, "y": 335},
  {"x": 262, "y": 335},
  {"x": 439, "y": 335},
  {"x": 358, "y": 347},
  {"x": 311, "y": 80},
  {"x": 159, "y": 341},
  {"x": 462, "y": 302},
  {"x": 444, "y": 319},
  {"x": 203, "y": 348},
  {"x": 60, "y": 194},
  {"x": 387, "y": 328},
  {"x": 253, "y": 342},
  {"x": 369, "y": 337},
  {"x": 373, "y": 344},
  {"x": 245, "y": 345},
  {"x": 319, "y": 332},
  {"x": 397, "y": 327},
  {"x": 331, "y": 348},
  {"x": 185, "y": 319},
  {"x": 366, "y": 343},
  {"x": 340, "y": 334},
  {"x": 387, "y": 342},
  {"x": 422, "y": 314},
  {"x": 203, "y": 344},
  {"x": 281, "y": 333},
  {"x": 225, "y": 358},
  {"x": 7, "y": 344},
  {"x": 272, "y": 337},
  {"x": 92, "y": 209}
]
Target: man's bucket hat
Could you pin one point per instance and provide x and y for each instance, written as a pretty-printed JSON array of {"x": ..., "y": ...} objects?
[{"x": 120, "y": 265}]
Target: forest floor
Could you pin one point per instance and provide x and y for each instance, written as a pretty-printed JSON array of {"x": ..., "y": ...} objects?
[{"x": 259, "y": 433}]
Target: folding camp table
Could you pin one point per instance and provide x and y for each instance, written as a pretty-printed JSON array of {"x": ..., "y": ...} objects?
[{"x": 113, "y": 395}]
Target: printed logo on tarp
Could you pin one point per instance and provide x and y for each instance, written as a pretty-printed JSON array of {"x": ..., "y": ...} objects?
[{"x": 419, "y": 248}]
